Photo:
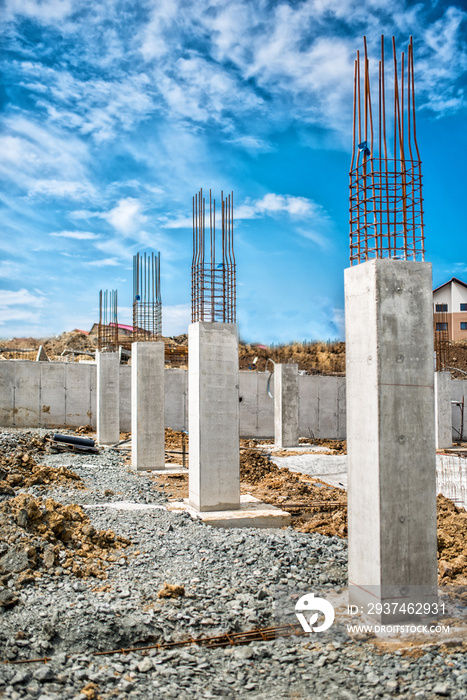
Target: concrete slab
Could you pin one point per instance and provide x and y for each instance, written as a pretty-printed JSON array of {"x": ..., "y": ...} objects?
[
  {"x": 332, "y": 469},
  {"x": 169, "y": 469},
  {"x": 252, "y": 513}
]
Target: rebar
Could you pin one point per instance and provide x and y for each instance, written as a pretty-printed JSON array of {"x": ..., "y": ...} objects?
[
  {"x": 265, "y": 634},
  {"x": 107, "y": 330},
  {"x": 386, "y": 204},
  {"x": 213, "y": 273},
  {"x": 147, "y": 302},
  {"x": 441, "y": 336}
]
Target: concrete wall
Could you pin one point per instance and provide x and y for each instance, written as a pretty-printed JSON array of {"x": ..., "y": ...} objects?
[{"x": 53, "y": 395}]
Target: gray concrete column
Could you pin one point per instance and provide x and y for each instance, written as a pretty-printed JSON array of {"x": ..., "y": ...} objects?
[
  {"x": 108, "y": 399},
  {"x": 214, "y": 479},
  {"x": 390, "y": 436},
  {"x": 443, "y": 410},
  {"x": 286, "y": 405},
  {"x": 147, "y": 405}
]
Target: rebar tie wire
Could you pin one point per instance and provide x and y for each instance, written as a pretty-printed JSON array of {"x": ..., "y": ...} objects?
[{"x": 265, "y": 634}]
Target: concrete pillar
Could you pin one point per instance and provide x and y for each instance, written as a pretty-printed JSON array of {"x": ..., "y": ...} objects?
[
  {"x": 286, "y": 405},
  {"x": 108, "y": 400},
  {"x": 147, "y": 405},
  {"x": 214, "y": 479},
  {"x": 443, "y": 410},
  {"x": 390, "y": 436}
]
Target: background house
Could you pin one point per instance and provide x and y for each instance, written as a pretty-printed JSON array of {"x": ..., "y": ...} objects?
[{"x": 450, "y": 309}]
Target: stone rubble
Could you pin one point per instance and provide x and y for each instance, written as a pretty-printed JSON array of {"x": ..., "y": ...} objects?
[{"x": 225, "y": 581}]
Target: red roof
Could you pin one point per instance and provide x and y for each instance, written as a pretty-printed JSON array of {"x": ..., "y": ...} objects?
[
  {"x": 78, "y": 330},
  {"x": 123, "y": 327},
  {"x": 453, "y": 279}
]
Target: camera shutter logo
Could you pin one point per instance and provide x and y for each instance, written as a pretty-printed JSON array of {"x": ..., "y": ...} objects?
[{"x": 309, "y": 604}]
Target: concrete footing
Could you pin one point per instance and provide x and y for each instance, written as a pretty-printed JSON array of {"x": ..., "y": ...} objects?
[
  {"x": 286, "y": 405},
  {"x": 391, "y": 438},
  {"x": 108, "y": 398},
  {"x": 147, "y": 405},
  {"x": 214, "y": 482},
  {"x": 443, "y": 410},
  {"x": 251, "y": 513}
]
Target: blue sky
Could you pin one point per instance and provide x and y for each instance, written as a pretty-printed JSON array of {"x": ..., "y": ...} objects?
[{"x": 114, "y": 113}]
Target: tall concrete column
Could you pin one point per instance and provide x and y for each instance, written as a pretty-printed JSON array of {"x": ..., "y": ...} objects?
[
  {"x": 108, "y": 398},
  {"x": 390, "y": 435},
  {"x": 443, "y": 410},
  {"x": 147, "y": 405},
  {"x": 214, "y": 478},
  {"x": 286, "y": 405}
]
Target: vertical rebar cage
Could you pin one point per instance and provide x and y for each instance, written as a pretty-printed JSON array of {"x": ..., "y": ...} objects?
[
  {"x": 147, "y": 302},
  {"x": 441, "y": 336},
  {"x": 213, "y": 273},
  {"x": 386, "y": 204},
  {"x": 107, "y": 330}
]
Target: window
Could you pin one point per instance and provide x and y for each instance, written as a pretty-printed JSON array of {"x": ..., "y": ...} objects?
[
  {"x": 441, "y": 307},
  {"x": 463, "y": 307},
  {"x": 463, "y": 325},
  {"x": 441, "y": 326}
]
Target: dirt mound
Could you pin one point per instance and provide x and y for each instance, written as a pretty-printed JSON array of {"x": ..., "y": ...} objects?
[
  {"x": 39, "y": 534},
  {"x": 337, "y": 447},
  {"x": 452, "y": 536},
  {"x": 255, "y": 466},
  {"x": 71, "y": 340},
  {"x": 314, "y": 358},
  {"x": 20, "y": 470},
  {"x": 85, "y": 430},
  {"x": 457, "y": 358}
]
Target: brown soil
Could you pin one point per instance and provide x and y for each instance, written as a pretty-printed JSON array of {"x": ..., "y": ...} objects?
[
  {"x": 44, "y": 535},
  {"x": 170, "y": 590},
  {"x": 457, "y": 357},
  {"x": 314, "y": 358},
  {"x": 452, "y": 537},
  {"x": 21, "y": 470}
]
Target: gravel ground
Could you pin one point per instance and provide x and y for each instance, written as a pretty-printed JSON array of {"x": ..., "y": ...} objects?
[{"x": 231, "y": 580}]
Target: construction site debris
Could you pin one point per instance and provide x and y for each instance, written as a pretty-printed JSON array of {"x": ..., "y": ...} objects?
[
  {"x": 20, "y": 470},
  {"x": 44, "y": 535},
  {"x": 71, "y": 443},
  {"x": 170, "y": 590}
]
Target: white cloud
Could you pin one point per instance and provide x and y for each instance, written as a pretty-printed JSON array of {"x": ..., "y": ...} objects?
[
  {"x": 22, "y": 296},
  {"x": 106, "y": 262},
  {"x": 127, "y": 217},
  {"x": 271, "y": 204},
  {"x": 16, "y": 306},
  {"x": 41, "y": 160},
  {"x": 45, "y": 11},
  {"x": 77, "y": 235},
  {"x": 62, "y": 188}
]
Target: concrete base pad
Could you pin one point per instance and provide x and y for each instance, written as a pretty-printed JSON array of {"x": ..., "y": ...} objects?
[
  {"x": 252, "y": 513},
  {"x": 169, "y": 468}
]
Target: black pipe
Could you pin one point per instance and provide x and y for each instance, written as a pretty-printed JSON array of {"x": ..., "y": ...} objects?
[{"x": 72, "y": 440}]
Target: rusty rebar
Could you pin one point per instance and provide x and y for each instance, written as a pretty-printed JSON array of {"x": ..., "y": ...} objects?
[
  {"x": 227, "y": 639},
  {"x": 213, "y": 268},
  {"x": 107, "y": 330},
  {"x": 386, "y": 204},
  {"x": 147, "y": 302}
]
